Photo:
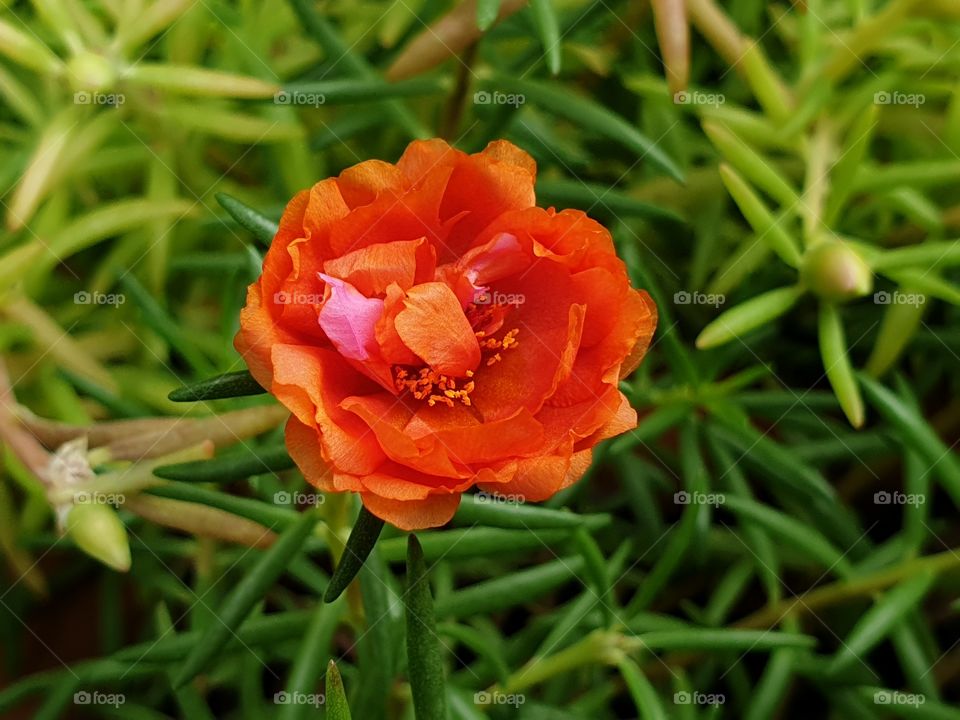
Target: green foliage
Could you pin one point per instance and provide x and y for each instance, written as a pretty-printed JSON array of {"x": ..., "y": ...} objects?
[{"x": 776, "y": 538}]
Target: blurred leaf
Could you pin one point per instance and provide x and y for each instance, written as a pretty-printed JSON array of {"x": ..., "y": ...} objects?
[
  {"x": 588, "y": 115},
  {"x": 836, "y": 364},
  {"x": 874, "y": 625},
  {"x": 247, "y": 593},
  {"x": 737, "y": 321}
]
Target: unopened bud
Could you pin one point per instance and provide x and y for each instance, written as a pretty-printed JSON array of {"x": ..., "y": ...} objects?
[
  {"x": 90, "y": 72},
  {"x": 97, "y": 530},
  {"x": 835, "y": 271}
]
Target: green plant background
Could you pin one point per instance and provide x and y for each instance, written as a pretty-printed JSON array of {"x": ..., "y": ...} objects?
[{"x": 778, "y": 537}]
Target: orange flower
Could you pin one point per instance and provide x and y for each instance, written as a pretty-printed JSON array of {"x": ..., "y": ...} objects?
[{"x": 430, "y": 329}]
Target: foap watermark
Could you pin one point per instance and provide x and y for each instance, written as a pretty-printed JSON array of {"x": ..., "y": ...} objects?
[
  {"x": 695, "y": 97},
  {"x": 895, "y": 697},
  {"x": 896, "y": 497},
  {"x": 698, "y": 498},
  {"x": 495, "y": 297},
  {"x": 899, "y": 298},
  {"x": 87, "y": 497},
  {"x": 486, "y": 97},
  {"x": 494, "y": 497},
  {"x": 896, "y": 97},
  {"x": 683, "y": 697},
  {"x": 683, "y": 297},
  {"x": 298, "y": 498},
  {"x": 282, "y": 297},
  {"x": 295, "y": 97},
  {"x": 98, "y": 298},
  {"x": 84, "y": 97},
  {"x": 499, "y": 698},
  {"x": 84, "y": 697},
  {"x": 299, "y": 698}
]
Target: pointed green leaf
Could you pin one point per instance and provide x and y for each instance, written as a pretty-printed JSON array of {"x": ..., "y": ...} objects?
[
  {"x": 516, "y": 589},
  {"x": 917, "y": 434},
  {"x": 927, "y": 283},
  {"x": 189, "y": 80},
  {"x": 308, "y": 665},
  {"x": 245, "y": 595},
  {"x": 801, "y": 537},
  {"x": 751, "y": 164},
  {"x": 769, "y": 229},
  {"x": 748, "y": 316},
  {"x": 875, "y": 624},
  {"x": 336, "y": 697},
  {"x": 924, "y": 255},
  {"x": 837, "y": 365},
  {"x": 900, "y": 323},
  {"x": 261, "y": 227},
  {"x": 845, "y": 169},
  {"x": 643, "y": 693},
  {"x": 424, "y": 661},
  {"x": 545, "y": 19},
  {"x": 228, "y": 385},
  {"x": 362, "y": 538}
]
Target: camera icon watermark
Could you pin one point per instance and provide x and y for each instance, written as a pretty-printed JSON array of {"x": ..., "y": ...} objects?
[
  {"x": 695, "y": 97},
  {"x": 895, "y": 697},
  {"x": 86, "y": 497},
  {"x": 495, "y": 97},
  {"x": 499, "y": 698},
  {"x": 495, "y": 297},
  {"x": 84, "y": 97},
  {"x": 883, "y": 97},
  {"x": 882, "y": 297},
  {"x": 299, "y": 698},
  {"x": 684, "y": 697},
  {"x": 499, "y": 498},
  {"x": 682, "y": 297},
  {"x": 295, "y": 97},
  {"x": 896, "y": 497},
  {"x": 699, "y": 498},
  {"x": 98, "y": 298},
  {"x": 283, "y": 297},
  {"x": 299, "y": 499},
  {"x": 84, "y": 697}
]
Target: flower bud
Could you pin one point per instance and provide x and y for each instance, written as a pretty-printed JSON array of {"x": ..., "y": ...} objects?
[
  {"x": 97, "y": 530},
  {"x": 91, "y": 72},
  {"x": 834, "y": 271}
]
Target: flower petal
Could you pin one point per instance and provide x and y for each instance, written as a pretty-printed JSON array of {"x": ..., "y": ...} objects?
[
  {"x": 349, "y": 319},
  {"x": 433, "y": 326}
]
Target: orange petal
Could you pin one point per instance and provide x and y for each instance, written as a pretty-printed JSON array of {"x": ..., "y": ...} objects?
[
  {"x": 432, "y": 511},
  {"x": 537, "y": 478},
  {"x": 303, "y": 444},
  {"x": 371, "y": 269},
  {"x": 506, "y": 152},
  {"x": 647, "y": 327},
  {"x": 311, "y": 383},
  {"x": 433, "y": 326},
  {"x": 364, "y": 182}
]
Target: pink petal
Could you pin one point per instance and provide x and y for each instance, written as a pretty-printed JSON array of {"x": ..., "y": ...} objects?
[{"x": 349, "y": 319}]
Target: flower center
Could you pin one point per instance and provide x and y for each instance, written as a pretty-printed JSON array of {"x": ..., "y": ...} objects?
[{"x": 427, "y": 384}]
